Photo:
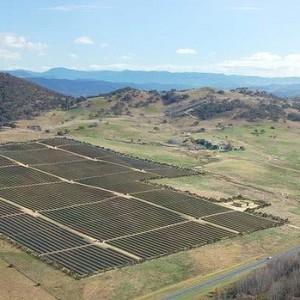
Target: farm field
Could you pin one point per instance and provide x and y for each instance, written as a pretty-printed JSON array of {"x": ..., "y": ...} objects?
[
  {"x": 122, "y": 186},
  {"x": 82, "y": 169},
  {"x": 42, "y": 156},
  {"x": 169, "y": 239},
  {"x": 181, "y": 202},
  {"x": 241, "y": 222},
  {"x": 53, "y": 195},
  {"x": 7, "y": 209},
  {"x": 87, "y": 209},
  {"x": 22, "y": 146},
  {"x": 38, "y": 235},
  {"x": 15, "y": 176},
  {"x": 4, "y": 162},
  {"x": 90, "y": 259},
  {"x": 114, "y": 217}
]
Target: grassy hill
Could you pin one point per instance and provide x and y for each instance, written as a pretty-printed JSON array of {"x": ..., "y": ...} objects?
[
  {"x": 20, "y": 99},
  {"x": 202, "y": 104}
]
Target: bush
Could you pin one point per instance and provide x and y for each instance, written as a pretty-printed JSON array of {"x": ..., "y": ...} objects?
[
  {"x": 93, "y": 125},
  {"x": 63, "y": 132},
  {"x": 294, "y": 117}
]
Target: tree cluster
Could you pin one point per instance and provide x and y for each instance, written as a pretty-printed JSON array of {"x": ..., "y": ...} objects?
[
  {"x": 172, "y": 96},
  {"x": 211, "y": 108},
  {"x": 20, "y": 99},
  {"x": 263, "y": 111},
  {"x": 279, "y": 280}
]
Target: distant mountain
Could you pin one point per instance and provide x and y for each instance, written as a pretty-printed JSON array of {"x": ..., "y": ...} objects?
[
  {"x": 193, "y": 79},
  {"x": 21, "y": 73},
  {"x": 83, "y": 87},
  {"x": 282, "y": 90},
  {"x": 153, "y": 80},
  {"x": 22, "y": 99}
]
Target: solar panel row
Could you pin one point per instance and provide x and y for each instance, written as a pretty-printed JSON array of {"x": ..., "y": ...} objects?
[{"x": 147, "y": 223}]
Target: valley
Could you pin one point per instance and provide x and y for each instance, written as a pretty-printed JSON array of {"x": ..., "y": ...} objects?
[
  {"x": 149, "y": 150},
  {"x": 267, "y": 169}
]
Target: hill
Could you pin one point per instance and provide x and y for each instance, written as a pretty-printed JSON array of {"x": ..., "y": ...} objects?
[
  {"x": 203, "y": 104},
  {"x": 20, "y": 99},
  {"x": 281, "y": 86}
]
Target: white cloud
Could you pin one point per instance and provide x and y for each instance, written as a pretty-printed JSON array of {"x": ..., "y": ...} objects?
[
  {"x": 80, "y": 8},
  {"x": 166, "y": 67},
  {"x": 247, "y": 8},
  {"x": 259, "y": 64},
  {"x": 9, "y": 55},
  {"x": 13, "y": 45},
  {"x": 264, "y": 64},
  {"x": 72, "y": 55},
  {"x": 186, "y": 51},
  {"x": 95, "y": 67},
  {"x": 8, "y": 40},
  {"x": 264, "y": 56},
  {"x": 84, "y": 40}
]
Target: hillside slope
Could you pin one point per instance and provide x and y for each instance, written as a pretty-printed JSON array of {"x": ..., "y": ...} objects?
[
  {"x": 22, "y": 99},
  {"x": 203, "y": 104}
]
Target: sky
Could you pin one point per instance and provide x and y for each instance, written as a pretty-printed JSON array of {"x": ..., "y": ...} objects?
[{"x": 244, "y": 37}]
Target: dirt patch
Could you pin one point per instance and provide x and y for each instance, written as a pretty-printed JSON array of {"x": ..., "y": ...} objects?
[
  {"x": 96, "y": 289},
  {"x": 15, "y": 285}
]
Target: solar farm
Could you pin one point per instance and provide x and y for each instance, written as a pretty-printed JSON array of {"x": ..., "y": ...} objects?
[{"x": 86, "y": 209}]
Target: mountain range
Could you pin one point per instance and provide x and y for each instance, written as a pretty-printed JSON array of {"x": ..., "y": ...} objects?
[{"x": 86, "y": 83}]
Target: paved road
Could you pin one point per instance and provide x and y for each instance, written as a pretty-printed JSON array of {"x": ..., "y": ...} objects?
[{"x": 226, "y": 276}]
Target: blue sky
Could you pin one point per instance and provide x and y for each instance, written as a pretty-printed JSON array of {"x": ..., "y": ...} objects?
[{"x": 251, "y": 37}]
